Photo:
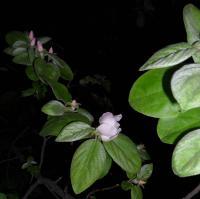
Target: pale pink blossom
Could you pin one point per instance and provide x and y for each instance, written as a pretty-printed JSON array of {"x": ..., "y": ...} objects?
[
  {"x": 51, "y": 50},
  {"x": 39, "y": 46},
  {"x": 109, "y": 126},
  {"x": 31, "y": 35},
  {"x": 33, "y": 41}
]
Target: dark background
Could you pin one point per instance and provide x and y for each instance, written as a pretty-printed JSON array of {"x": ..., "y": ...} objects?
[{"x": 93, "y": 39}]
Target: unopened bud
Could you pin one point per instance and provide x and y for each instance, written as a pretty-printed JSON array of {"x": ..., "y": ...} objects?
[{"x": 39, "y": 46}]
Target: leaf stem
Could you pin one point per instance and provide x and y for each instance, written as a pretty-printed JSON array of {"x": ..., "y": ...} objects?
[{"x": 192, "y": 193}]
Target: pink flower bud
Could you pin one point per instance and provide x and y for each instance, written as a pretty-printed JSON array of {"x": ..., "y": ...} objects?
[
  {"x": 31, "y": 35},
  {"x": 51, "y": 50},
  {"x": 39, "y": 46},
  {"x": 109, "y": 126},
  {"x": 33, "y": 41}
]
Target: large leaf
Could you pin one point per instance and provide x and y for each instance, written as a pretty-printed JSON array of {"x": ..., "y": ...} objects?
[
  {"x": 136, "y": 192},
  {"x": 170, "y": 129},
  {"x": 124, "y": 152},
  {"x": 54, "y": 125},
  {"x": 88, "y": 164},
  {"x": 65, "y": 70},
  {"x": 169, "y": 56},
  {"x": 86, "y": 114},
  {"x": 148, "y": 95},
  {"x": 54, "y": 108},
  {"x": 46, "y": 71},
  {"x": 186, "y": 155},
  {"x": 61, "y": 92},
  {"x": 185, "y": 85},
  {"x": 191, "y": 17},
  {"x": 22, "y": 59},
  {"x": 30, "y": 72},
  {"x": 74, "y": 131},
  {"x": 14, "y": 36}
]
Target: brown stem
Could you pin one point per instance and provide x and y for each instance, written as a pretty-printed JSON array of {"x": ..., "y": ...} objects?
[
  {"x": 31, "y": 189},
  {"x": 192, "y": 193},
  {"x": 102, "y": 189}
]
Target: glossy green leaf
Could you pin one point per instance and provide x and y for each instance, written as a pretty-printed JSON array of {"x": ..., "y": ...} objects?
[
  {"x": 145, "y": 172},
  {"x": 170, "y": 129},
  {"x": 46, "y": 71},
  {"x": 65, "y": 70},
  {"x": 54, "y": 125},
  {"x": 191, "y": 17},
  {"x": 169, "y": 56},
  {"x": 86, "y": 114},
  {"x": 88, "y": 164},
  {"x": 136, "y": 192},
  {"x": 18, "y": 51},
  {"x": 124, "y": 152},
  {"x": 44, "y": 40},
  {"x": 30, "y": 72},
  {"x": 149, "y": 97},
  {"x": 22, "y": 59},
  {"x": 186, "y": 155},
  {"x": 61, "y": 92},
  {"x": 75, "y": 131},
  {"x": 185, "y": 85},
  {"x": 14, "y": 36},
  {"x": 54, "y": 108}
]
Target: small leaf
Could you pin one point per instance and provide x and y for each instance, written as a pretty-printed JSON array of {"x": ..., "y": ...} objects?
[
  {"x": 191, "y": 17},
  {"x": 136, "y": 192},
  {"x": 44, "y": 40},
  {"x": 124, "y": 152},
  {"x": 74, "y": 131},
  {"x": 61, "y": 92},
  {"x": 28, "y": 92},
  {"x": 86, "y": 114},
  {"x": 46, "y": 71},
  {"x": 22, "y": 59},
  {"x": 14, "y": 36},
  {"x": 185, "y": 85},
  {"x": 145, "y": 172},
  {"x": 149, "y": 97},
  {"x": 88, "y": 164},
  {"x": 30, "y": 72},
  {"x": 169, "y": 56},
  {"x": 126, "y": 185},
  {"x": 65, "y": 70},
  {"x": 54, "y": 108},
  {"x": 186, "y": 155},
  {"x": 170, "y": 129},
  {"x": 54, "y": 125}
]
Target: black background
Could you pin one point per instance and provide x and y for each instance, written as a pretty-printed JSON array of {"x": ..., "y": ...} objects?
[{"x": 99, "y": 39}]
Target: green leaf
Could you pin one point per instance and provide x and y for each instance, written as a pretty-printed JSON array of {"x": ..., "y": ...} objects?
[
  {"x": 145, "y": 172},
  {"x": 61, "y": 92},
  {"x": 88, "y": 164},
  {"x": 30, "y": 72},
  {"x": 124, "y": 152},
  {"x": 185, "y": 85},
  {"x": 3, "y": 196},
  {"x": 54, "y": 125},
  {"x": 149, "y": 97},
  {"x": 44, "y": 40},
  {"x": 22, "y": 59},
  {"x": 136, "y": 192},
  {"x": 170, "y": 129},
  {"x": 65, "y": 70},
  {"x": 186, "y": 155},
  {"x": 54, "y": 108},
  {"x": 86, "y": 114},
  {"x": 20, "y": 44},
  {"x": 14, "y": 36},
  {"x": 191, "y": 17},
  {"x": 18, "y": 51},
  {"x": 75, "y": 131},
  {"x": 28, "y": 92},
  {"x": 125, "y": 185},
  {"x": 169, "y": 56},
  {"x": 46, "y": 71}
]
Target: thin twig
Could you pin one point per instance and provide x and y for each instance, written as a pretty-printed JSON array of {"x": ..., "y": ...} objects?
[
  {"x": 42, "y": 152},
  {"x": 31, "y": 189},
  {"x": 102, "y": 189},
  {"x": 192, "y": 193}
]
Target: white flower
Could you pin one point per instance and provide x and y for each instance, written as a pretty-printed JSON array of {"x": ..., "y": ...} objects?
[{"x": 109, "y": 126}]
